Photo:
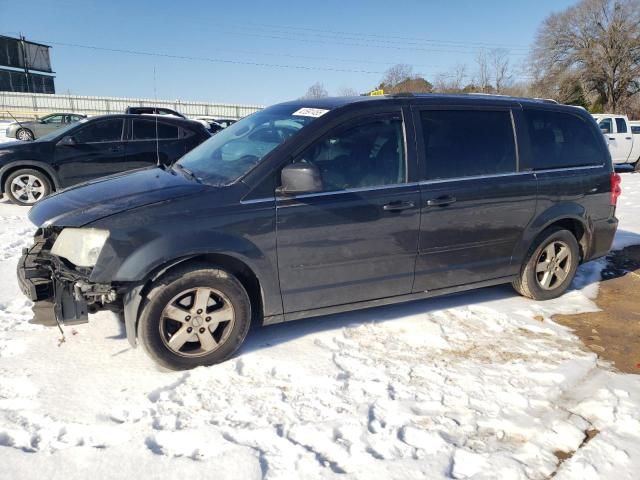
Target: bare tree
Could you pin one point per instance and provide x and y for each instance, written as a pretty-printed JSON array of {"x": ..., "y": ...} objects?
[
  {"x": 499, "y": 61},
  {"x": 483, "y": 80},
  {"x": 316, "y": 90},
  {"x": 452, "y": 81},
  {"x": 397, "y": 74},
  {"x": 458, "y": 76},
  {"x": 596, "y": 41},
  {"x": 348, "y": 92}
]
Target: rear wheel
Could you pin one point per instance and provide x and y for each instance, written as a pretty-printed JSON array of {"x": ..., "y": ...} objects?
[
  {"x": 194, "y": 316},
  {"x": 636, "y": 166},
  {"x": 550, "y": 265},
  {"x": 24, "y": 134},
  {"x": 27, "y": 186}
]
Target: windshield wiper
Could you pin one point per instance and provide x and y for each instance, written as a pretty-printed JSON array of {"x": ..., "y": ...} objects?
[{"x": 187, "y": 173}]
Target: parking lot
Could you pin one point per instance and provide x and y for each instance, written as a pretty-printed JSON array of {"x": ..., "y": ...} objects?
[{"x": 478, "y": 382}]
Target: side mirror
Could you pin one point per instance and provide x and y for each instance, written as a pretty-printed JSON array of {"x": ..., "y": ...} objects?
[
  {"x": 299, "y": 178},
  {"x": 67, "y": 141}
]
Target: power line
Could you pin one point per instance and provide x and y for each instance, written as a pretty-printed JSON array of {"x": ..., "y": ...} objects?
[
  {"x": 221, "y": 60},
  {"x": 208, "y": 59},
  {"x": 392, "y": 38},
  {"x": 330, "y": 41}
]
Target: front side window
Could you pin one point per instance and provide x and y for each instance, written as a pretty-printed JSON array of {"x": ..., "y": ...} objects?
[
  {"x": 467, "y": 143},
  {"x": 100, "y": 131},
  {"x": 53, "y": 119},
  {"x": 369, "y": 154},
  {"x": 606, "y": 125},
  {"x": 560, "y": 140},
  {"x": 621, "y": 125},
  {"x": 235, "y": 150},
  {"x": 150, "y": 130}
]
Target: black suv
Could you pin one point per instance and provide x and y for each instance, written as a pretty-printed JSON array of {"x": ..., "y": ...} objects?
[
  {"x": 319, "y": 206},
  {"x": 93, "y": 148}
]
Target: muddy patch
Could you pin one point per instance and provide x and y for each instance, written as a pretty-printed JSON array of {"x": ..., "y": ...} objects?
[{"x": 614, "y": 333}]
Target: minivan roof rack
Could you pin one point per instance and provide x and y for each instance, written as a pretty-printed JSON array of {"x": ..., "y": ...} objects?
[{"x": 480, "y": 94}]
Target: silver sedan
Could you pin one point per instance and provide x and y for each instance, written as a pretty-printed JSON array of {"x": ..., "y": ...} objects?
[{"x": 30, "y": 130}]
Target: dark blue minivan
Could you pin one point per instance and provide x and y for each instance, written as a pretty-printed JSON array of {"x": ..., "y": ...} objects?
[{"x": 319, "y": 206}]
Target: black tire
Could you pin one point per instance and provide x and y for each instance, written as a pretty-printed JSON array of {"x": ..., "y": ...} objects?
[
  {"x": 154, "y": 326},
  {"x": 25, "y": 134},
  {"x": 41, "y": 186},
  {"x": 530, "y": 283},
  {"x": 636, "y": 166}
]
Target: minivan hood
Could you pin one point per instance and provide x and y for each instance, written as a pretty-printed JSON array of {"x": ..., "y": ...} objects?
[{"x": 91, "y": 201}]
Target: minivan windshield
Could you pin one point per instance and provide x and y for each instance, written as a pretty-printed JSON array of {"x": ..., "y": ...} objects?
[{"x": 232, "y": 152}]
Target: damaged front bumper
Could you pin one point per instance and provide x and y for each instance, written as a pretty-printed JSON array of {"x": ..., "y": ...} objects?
[{"x": 62, "y": 294}]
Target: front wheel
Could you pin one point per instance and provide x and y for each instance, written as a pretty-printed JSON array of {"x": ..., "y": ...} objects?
[
  {"x": 24, "y": 134},
  {"x": 550, "y": 265},
  {"x": 194, "y": 316},
  {"x": 26, "y": 186}
]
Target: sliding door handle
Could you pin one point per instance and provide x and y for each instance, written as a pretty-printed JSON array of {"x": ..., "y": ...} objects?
[
  {"x": 441, "y": 201},
  {"x": 398, "y": 206}
]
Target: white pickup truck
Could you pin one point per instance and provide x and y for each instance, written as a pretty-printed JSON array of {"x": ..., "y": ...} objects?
[{"x": 621, "y": 136}]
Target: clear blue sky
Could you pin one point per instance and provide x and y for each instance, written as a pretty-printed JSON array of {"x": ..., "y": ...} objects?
[{"x": 364, "y": 37}]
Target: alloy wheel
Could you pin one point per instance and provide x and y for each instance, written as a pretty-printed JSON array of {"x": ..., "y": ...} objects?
[
  {"x": 197, "y": 322},
  {"x": 24, "y": 135},
  {"x": 553, "y": 265},
  {"x": 27, "y": 188}
]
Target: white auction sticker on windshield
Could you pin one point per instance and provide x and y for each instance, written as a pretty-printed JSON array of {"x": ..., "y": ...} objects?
[{"x": 310, "y": 112}]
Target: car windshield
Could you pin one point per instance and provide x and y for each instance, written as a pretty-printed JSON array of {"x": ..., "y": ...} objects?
[
  {"x": 233, "y": 151},
  {"x": 60, "y": 132}
]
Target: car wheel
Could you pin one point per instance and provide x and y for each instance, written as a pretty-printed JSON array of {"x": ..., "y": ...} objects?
[
  {"x": 27, "y": 186},
  {"x": 636, "y": 166},
  {"x": 194, "y": 316},
  {"x": 550, "y": 265},
  {"x": 24, "y": 134}
]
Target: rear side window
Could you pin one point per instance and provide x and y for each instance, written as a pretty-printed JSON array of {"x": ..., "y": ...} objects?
[
  {"x": 100, "y": 131},
  {"x": 464, "y": 143},
  {"x": 560, "y": 140},
  {"x": 146, "y": 130},
  {"x": 635, "y": 129},
  {"x": 621, "y": 125}
]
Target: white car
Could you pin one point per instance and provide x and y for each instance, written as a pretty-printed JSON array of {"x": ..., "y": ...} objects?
[{"x": 624, "y": 144}]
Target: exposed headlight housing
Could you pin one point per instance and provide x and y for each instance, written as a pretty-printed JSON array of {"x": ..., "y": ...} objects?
[{"x": 81, "y": 246}]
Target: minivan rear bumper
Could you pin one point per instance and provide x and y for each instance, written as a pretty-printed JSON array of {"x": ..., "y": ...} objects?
[{"x": 602, "y": 237}]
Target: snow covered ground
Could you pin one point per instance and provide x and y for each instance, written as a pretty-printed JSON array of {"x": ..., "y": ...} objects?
[{"x": 480, "y": 385}]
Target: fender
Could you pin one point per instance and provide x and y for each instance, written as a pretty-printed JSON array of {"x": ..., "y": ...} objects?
[
  {"x": 556, "y": 213},
  {"x": 149, "y": 259},
  {"x": 29, "y": 163},
  {"x": 150, "y": 255}
]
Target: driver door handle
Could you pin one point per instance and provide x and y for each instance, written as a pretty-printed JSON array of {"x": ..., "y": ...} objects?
[{"x": 441, "y": 201}]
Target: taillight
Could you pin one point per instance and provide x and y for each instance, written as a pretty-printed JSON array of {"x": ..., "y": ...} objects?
[{"x": 616, "y": 190}]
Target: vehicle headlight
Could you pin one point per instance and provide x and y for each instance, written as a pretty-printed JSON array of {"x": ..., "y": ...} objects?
[{"x": 81, "y": 246}]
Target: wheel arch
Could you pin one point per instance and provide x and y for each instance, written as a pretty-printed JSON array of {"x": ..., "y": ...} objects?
[
  {"x": 570, "y": 216},
  {"x": 8, "y": 169},
  {"x": 133, "y": 300}
]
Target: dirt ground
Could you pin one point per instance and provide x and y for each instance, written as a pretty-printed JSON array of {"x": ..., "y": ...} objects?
[{"x": 614, "y": 333}]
